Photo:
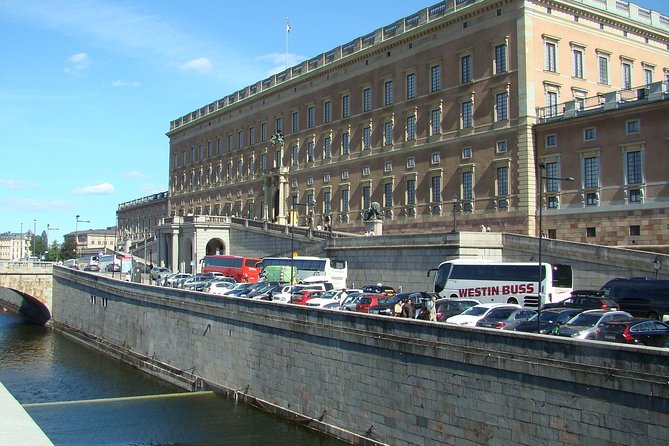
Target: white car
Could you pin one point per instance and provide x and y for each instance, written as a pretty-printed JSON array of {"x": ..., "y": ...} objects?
[
  {"x": 219, "y": 287},
  {"x": 327, "y": 297},
  {"x": 472, "y": 315}
]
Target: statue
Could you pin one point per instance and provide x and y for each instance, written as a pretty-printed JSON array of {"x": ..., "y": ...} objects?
[
  {"x": 372, "y": 213},
  {"x": 276, "y": 138}
]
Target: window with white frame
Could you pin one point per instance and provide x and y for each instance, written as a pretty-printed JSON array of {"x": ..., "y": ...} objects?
[
  {"x": 633, "y": 175},
  {"x": 551, "y": 140},
  {"x": 466, "y": 153},
  {"x": 296, "y": 122},
  {"x": 240, "y": 168},
  {"x": 590, "y": 134},
  {"x": 366, "y": 138},
  {"x": 345, "y": 106},
  {"x": 345, "y": 200},
  {"x": 502, "y": 181},
  {"x": 279, "y": 124},
  {"x": 577, "y": 54},
  {"x": 263, "y": 162},
  {"x": 632, "y": 126},
  {"x": 278, "y": 158},
  {"x": 310, "y": 180},
  {"x": 411, "y": 192},
  {"x": 366, "y": 196},
  {"x": 327, "y": 111},
  {"x": 467, "y": 113},
  {"x": 365, "y": 170},
  {"x": 366, "y": 99},
  {"x": 327, "y": 205},
  {"x": 388, "y": 195},
  {"x": 502, "y": 106},
  {"x": 411, "y": 128},
  {"x": 467, "y": 185},
  {"x": 435, "y": 78},
  {"x": 388, "y": 93},
  {"x": 388, "y": 166},
  {"x": 327, "y": 147},
  {"x": 326, "y": 177},
  {"x": 435, "y": 121},
  {"x": 552, "y": 171},
  {"x": 344, "y": 174},
  {"x": 590, "y": 166},
  {"x": 411, "y": 86},
  {"x": 310, "y": 150},
  {"x": 345, "y": 143},
  {"x": 388, "y": 132},
  {"x": 294, "y": 183},
  {"x": 411, "y": 162},
  {"x": 436, "y": 158},
  {"x": 648, "y": 74},
  {"x": 550, "y": 56},
  {"x": 466, "y": 68},
  {"x": 296, "y": 155},
  {"x": 500, "y": 58},
  {"x": 251, "y": 165},
  {"x": 551, "y": 103},
  {"x": 501, "y": 146},
  {"x": 436, "y": 194},
  {"x": 311, "y": 116},
  {"x": 603, "y": 68},
  {"x": 626, "y": 75}
]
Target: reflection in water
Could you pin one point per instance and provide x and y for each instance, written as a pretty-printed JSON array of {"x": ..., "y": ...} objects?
[{"x": 81, "y": 397}]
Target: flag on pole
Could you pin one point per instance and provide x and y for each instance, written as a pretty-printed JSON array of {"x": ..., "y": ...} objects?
[{"x": 288, "y": 28}]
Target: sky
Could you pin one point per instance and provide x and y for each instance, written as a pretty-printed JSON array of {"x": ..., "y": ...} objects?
[{"x": 88, "y": 89}]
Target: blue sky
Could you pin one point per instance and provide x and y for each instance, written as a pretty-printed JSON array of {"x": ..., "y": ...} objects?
[{"x": 88, "y": 88}]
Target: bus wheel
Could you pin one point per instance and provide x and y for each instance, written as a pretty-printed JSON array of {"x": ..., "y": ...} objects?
[
  {"x": 653, "y": 315},
  {"x": 512, "y": 300}
]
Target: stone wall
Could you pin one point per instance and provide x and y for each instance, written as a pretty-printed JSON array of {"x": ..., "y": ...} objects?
[{"x": 376, "y": 380}]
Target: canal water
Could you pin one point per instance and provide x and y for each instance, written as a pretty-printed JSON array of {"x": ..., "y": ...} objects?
[{"x": 81, "y": 397}]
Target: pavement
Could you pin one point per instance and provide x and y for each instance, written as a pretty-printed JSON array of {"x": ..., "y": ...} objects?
[{"x": 17, "y": 428}]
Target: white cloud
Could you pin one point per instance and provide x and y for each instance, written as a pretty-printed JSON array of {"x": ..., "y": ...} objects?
[
  {"x": 132, "y": 174},
  {"x": 280, "y": 61},
  {"x": 97, "y": 189},
  {"x": 201, "y": 64},
  {"x": 14, "y": 184},
  {"x": 122, "y": 84},
  {"x": 78, "y": 63},
  {"x": 31, "y": 204}
]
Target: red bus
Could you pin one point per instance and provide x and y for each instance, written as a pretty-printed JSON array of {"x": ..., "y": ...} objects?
[{"x": 242, "y": 269}]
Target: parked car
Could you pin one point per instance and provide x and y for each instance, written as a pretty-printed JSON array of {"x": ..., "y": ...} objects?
[
  {"x": 268, "y": 292},
  {"x": 173, "y": 279},
  {"x": 505, "y": 318},
  {"x": 296, "y": 291},
  {"x": 303, "y": 296},
  {"x": 92, "y": 267},
  {"x": 158, "y": 272},
  {"x": 327, "y": 297},
  {"x": 113, "y": 268},
  {"x": 386, "y": 307},
  {"x": 368, "y": 300},
  {"x": 472, "y": 315},
  {"x": 351, "y": 301},
  {"x": 641, "y": 296},
  {"x": 379, "y": 289},
  {"x": 219, "y": 287},
  {"x": 451, "y": 306},
  {"x": 639, "y": 331},
  {"x": 550, "y": 318},
  {"x": 586, "y": 300},
  {"x": 239, "y": 289},
  {"x": 584, "y": 325}
]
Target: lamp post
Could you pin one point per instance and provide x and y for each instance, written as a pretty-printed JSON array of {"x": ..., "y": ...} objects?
[
  {"x": 456, "y": 209},
  {"x": 34, "y": 231},
  {"x": 657, "y": 265},
  {"x": 49, "y": 228},
  {"x": 76, "y": 235},
  {"x": 542, "y": 167}
]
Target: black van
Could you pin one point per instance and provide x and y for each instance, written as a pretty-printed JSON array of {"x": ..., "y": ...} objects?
[{"x": 640, "y": 296}]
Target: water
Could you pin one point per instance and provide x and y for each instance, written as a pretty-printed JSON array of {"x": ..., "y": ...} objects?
[{"x": 81, "y": 397}]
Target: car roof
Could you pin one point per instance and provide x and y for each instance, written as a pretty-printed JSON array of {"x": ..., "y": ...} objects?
[{"x": 495, "y": 305}]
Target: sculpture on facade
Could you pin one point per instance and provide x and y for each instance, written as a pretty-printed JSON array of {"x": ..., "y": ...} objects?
[{"x": 372, "y": 213}]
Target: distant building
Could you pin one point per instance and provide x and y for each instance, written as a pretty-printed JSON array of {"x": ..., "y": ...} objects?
[
  {"x": 433, "y": 117},
  {"x": 91, "y": 242},
  {"x": 14, "y": 246}
]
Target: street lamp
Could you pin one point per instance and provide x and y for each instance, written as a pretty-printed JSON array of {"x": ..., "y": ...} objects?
[
  {"x": 49, "y": 228},
  {"x": 657, "y": 264},
  {"x": 542, "y": 167},
  {"x": 34, "y": 231},
  {"x": 76, "y": 235}
]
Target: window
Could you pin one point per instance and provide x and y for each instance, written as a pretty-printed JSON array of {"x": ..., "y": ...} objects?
[
  {"x": 279, "y": 124},
  {"x": 326, "y": 178},
  {"x": 345, "y": 143},
  {"x": 466, "y": 68},
  {"x": 501, "y": 146},
  {"x": 209, "y": 148},
  {"x": 388, "y": 133},
  {"x": 366, "y": 99},
  {"x": 344, "y": 200},
  {"x": 311, "y": 116},
  {"x": 502, "y": 181},
  {"x": 327, "y": 206},
  {"x": 635, "y": 230},
  {"x": 296, "y": 122},
  {"x": 219, "y": 146},
  {"x": 252, "y": 136},
  {"x": 436, "y": 158},
  {"x": 411, "y": 85},
  {"x": 467, "y": 185},
  {"x": 435, "y": 78},
  {"x": 632, "y": 126},
  {"x": 228, "y": 172},
  {"x": 278, "y": 158},
  {"x": 366, "y": 196},
  {"x": 436, "y": 193},
  {"x": 435, "y": 121},
  {"x": 577, "y": 54},
  {"x": 466, "y": 114},
  {"x": 388, "y": 195},
  {"x": 240, "y": 168},
  {"x": 192, "y": 154},
  {"x": 366, "y": 138},
  {"x": 240, "y": 140},
  {"x": 590, "y": 134},
  {"x": 411, "y": 162},
  {"x": 327, "y": 112},
  {"x": 603, "y": 64},
  {"x": 345, "y": 106},
  {"x": 551, "y": 103},
  {"x": 648, "y": 75},
  {"x": 591, "y": 178},
  {"x": 500, "y": 58},
  {"x": 591, "y": 232},
  {"x": 388, "y": 166},
  {"x": 310, "y": 180},
  {"x": 411, "y": 128},
  {"x": 411, "y": 192},
  {"x": 344, "y": 174},
  {"x": 388, "y": 93},
  {"x": 633, "y": 167},
  {"x": 466, "y": 153},
  {"x": 501, "y": 106},
  {"x": 365, "y": 170},
  {"x": 551, "y": 140},
  {"x": 552, "y": 171},
  {"x": 626, "y": 76},
  {"x": 327, "y": 147},
  {"x": 263, "y": 132},
  {"x": 550, "y": 56},
  {"x": 296, "y": 155},
  {"x": 310, "y": 151},
  {"x": 229, "y": 143}
]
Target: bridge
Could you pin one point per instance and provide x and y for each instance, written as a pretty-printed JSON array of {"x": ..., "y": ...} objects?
[{"x": 27, "y": 288}]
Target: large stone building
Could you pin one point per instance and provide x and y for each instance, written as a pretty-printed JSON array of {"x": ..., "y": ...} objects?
[
  {"x": 14, "y": 246},
  {"x": 433, "y": 117}
]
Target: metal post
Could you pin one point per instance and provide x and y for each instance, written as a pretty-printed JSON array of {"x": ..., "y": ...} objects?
[{"x": 34, "y": 231}]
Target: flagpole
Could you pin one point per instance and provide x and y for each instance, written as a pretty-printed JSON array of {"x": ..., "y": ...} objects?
[{"x": 287, "y": 31}]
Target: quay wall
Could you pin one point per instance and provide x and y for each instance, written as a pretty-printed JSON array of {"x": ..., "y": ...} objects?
[{"x": 376, "y": 380}]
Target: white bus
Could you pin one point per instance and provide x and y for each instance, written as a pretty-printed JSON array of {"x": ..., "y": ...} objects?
[
  {"x": 312, "y": 269},
  {"x": 503, "y": 282}
]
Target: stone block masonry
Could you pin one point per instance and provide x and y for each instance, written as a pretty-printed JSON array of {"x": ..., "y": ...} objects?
[{"x": 377, "y": 380}]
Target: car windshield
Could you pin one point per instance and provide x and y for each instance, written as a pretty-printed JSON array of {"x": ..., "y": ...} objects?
[
  {"x": 328, "y": 295},
  {"x": 586, "y": 319},
  {"x": 365, "y": 301},
  {"x": 475, "y": 311}
]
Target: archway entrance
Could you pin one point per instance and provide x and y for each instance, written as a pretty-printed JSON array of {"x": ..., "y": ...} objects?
[{"x": 215, "y": 246}]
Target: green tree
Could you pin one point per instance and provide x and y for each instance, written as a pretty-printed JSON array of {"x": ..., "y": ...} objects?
[
  {"x": 67, "y": 249},
  {"x": 53, "y": 255},
  {"x": 37, "y": 245}
]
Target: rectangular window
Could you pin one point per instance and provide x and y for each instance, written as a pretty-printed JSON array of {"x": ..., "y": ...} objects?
[
  {"x": 501, "y": 146},
  {"x": 648, "y": 76},
  {"x": 411, "y": 128},
  {"x": 199, "y": 152},
  {"x": 310, "y": 180},
  {"x": 327, "y": 148},
  {"x": 552, "y": 171},
  {"x": 388, "y": 93},
  {"x": 219, "y": 146},
  {"x": 500, "y": 58},
  {"x": 240, "y": 140},
  {"x": 279, "y": 125},
  {"x": 240, "y": 168},
  {"x": 345, "y": 143},
  {"x": 591, "y": 172},
  {"x": 633, "y": 167},
  {"x": 436, "y": 158},
  {"x": 411, "y": 85},
  {"x": 501, "y": 106},
  {"x": 551, "y": 103},
  {"x": 436, "y": 189},
  {"x": 345, "y": 106},
  {"x": 278, "y": 158},
  {"x": 326, "y": 178},
  {"x": 603, "y": 63},
  {"x": 467, "y": 185},
  {"x": 366, "y": 197},
  {"x": 252, "y": 136},
  {"x": 435, "y": 124},
  {"x": 435, "y": 78},
  {"x": 366, "y": 171},
  {"x": 388, "y": 133},
  {"x": 263, "y": 162},
  {"x": 310, "y": 151},
  {"x": 229, "y": 146},
  {"x": 366, "y": 99},
  {"x": 466, "y": 153},
  {"x": 411, "y": 162},
  {"x": 366, "y": 138},
  {"x": 632, "y": 126},
  {"x": 551, "y": 61},
  {"x": 578, "y": 63},
  {"x": 295, "y": 122},
  {"x": 208, "y": 149},
  {"x": 327, "y": 206},
  {"x": 411, "y": 192},
  {"x": 327, "y": 112},
  {"x": 590, "y": 134},
  {"x": 634, "y": 195},
  {"x": 311, "y": 117},
  {"x": 388, "y": 195},
  {"x": 344, "y": 174},
  {"x": 627, "y": 76},
  {"x": 296, "y": 155},
  {"x": 467, "y": 120},
  {"x": 502, "y": 181},
  {"x": 466, "y": 68},
  {"x": 344, "y": 200},
  {"x": 388, "y": 166},
  {"x": 263, "y": 132}
]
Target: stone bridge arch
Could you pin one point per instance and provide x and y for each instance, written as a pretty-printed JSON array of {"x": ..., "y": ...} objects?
[{"x": 26, "y": 288}]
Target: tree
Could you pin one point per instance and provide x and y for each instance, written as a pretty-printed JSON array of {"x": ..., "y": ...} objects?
[
  {"x": 53, "y": 255},
  {"x": 37, "y": 245},
  {"x": 68, "y": 249}
]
